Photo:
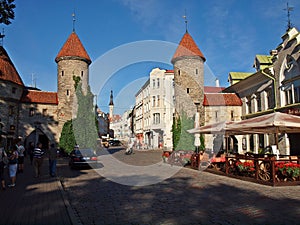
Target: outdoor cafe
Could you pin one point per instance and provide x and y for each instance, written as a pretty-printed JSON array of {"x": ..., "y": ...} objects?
[{"x": 267, "y": 167}]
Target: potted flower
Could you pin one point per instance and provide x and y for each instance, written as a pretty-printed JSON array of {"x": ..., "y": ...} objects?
[
  {"x": 165, "y": 156},
  {"x": 245, "y": 168},
  {"x": 288, "y": 170}
]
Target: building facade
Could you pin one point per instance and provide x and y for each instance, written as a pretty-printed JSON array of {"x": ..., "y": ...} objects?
[{"x": 275, "y": 86}]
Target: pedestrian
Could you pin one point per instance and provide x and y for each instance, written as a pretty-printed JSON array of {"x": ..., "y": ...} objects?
[
  {"x": 38, "y": 159},
  {"x": 52, "y": 159},
  {"x": 21, "y": 153},
  {"x": 3, "y": 164},
  {"x": 13, "y": 166},
  {"x": 30, "y": 151}
]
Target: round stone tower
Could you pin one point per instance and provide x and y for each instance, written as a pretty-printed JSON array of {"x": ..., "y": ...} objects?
[
  {"x": 72, "y": 67},
  {"x": 188, "y": 62}
]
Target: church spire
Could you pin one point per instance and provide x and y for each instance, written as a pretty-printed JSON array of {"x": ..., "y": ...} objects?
[{"x": 111, "y": 102}]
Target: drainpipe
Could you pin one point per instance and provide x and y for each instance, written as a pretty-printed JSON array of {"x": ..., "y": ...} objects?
[{"x": 275, "y": 89}]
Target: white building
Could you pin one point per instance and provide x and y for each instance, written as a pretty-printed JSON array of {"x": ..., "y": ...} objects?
[{"x": 154, "y": 110}]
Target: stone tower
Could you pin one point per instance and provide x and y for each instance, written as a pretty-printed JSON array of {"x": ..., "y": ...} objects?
[
  {"x": 188, "y": 62},
  {"x": 111, "y": 106},
  {"x": 72, "y": 64}
]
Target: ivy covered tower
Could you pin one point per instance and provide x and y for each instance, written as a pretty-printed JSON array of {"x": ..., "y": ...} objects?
[
  {"x": 188, "y": 62},
  {"x": 72, "y": 67}
]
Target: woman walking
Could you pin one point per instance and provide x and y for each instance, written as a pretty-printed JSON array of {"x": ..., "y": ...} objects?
[
  {"x": 2, "y": 166},
  {"x": 13, "y": 166}
]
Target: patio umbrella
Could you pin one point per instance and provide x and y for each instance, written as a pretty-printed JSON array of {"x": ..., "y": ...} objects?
[
  {"x": 213, "y": 128},
  {"x": 272, "y": 123}
]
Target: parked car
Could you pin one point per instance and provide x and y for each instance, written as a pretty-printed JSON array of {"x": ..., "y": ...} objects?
[
  {"x": 83, "y": 158},
  {"x": 114, "y": 143}
]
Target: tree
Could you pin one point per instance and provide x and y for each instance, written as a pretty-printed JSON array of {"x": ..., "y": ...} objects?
[
  {"x": 7, "y": 11},
  {"x": 67, "y": 138},
  {"x": 84, "y": 126},
  {"x": 183, "y": 140}
]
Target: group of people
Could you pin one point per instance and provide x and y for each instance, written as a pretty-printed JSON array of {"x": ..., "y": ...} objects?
[{"x": 14, "y": 161}]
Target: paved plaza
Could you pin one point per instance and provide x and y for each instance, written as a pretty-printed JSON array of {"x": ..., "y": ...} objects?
[{"x": 187, "y": 197}]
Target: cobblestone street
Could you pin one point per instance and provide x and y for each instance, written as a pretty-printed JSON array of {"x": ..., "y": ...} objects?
[{"x": 188, "y": 197}]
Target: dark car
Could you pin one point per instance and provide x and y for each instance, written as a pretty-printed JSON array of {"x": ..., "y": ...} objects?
[
  {"x": 114, "y": 143},
  {"x": 83, "y": 158}
]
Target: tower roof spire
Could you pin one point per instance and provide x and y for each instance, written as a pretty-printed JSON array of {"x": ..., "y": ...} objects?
[
  {"x": 185, "y": 20},
  {"x": 73, "y": 19},
  {"x": 111, "y": 102},
  {"x": 288, "y": 9}
]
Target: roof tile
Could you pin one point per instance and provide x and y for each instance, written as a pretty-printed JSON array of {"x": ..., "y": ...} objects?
[
  {"x": 73, "y": 47},
  {"x": 8, "y": 71},
  {"x": 187, "y": 47},
  {"x": 43, "y": 97},
  {"x": 221, "y": 99}
]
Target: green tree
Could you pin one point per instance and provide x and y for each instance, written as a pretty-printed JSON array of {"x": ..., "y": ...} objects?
[
  {"x": 7, "y": 11},
  {"x": 67, "y": 138},
  {"x": 176, "y": 130},
  {"x": 183, "y": 140},
  {"x": 84, "y": 127}
]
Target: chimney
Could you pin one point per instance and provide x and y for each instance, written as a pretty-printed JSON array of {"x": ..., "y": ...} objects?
[{"x": 217, "y": 82}]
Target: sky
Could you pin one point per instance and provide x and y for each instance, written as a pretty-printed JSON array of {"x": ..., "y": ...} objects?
[{"x": 125, "y": 39}]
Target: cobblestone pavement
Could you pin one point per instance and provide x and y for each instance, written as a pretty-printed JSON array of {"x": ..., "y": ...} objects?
[{"x": 188, "y": 197}]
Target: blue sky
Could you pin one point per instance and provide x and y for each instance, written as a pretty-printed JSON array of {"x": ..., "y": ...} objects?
[{"x": 229, "y": 33}]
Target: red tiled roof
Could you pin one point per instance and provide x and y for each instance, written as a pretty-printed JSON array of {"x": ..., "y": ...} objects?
[
  {"x": 32, "y": 96},
  {"x": 212, "y": 89},
  {"x": 169, "y": 71},
  {"x": 221, "y": 99},
  {"x": 187, "y": 47},
  {"x": 8, "y": 71},
  {"x": 73, "y": 47}
]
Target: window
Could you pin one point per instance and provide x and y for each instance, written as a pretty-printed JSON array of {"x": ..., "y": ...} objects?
[
  {"x": 153, "y": 101},
  {"x": 173, "y": 83},
  {"x": 156, "y": 118},
  {"x": 14, "y": 90},
  {"x": 68, "y": 92},
  {"x": 62, "y": 73},
  {"x": 178, "y": 72},
  {"x": 232, "y": 115},
  {"x": 158, "y": 100},
  {"x": 216, "y": 115},
  {"x": 31, "y": 112},
  {"x": 248, "y": 104},
  {"x": 11, "y": 110},
  {"x": 153, "y": 83},
  {"x": 157, "y": 82},
  {"x": 45, "y": 112},
  {"x": 197, "y": 71},
  {"x": 258, "y": 102},
  {"x": 297, "y": 94},
  {"x": 188, "y": 90},
  {"x": 82, "y": 73}
]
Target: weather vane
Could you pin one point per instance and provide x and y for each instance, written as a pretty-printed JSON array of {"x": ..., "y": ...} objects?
[
  {"x": 185, "y": 20},
  {"x": 73, "y": 15},
  {"x": 288, "y": 9}
]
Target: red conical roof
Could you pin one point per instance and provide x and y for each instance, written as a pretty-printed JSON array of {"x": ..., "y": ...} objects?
[
  {"x": 187, "y": 47},
  {"x": 73, "y": 48},
  {"x": 8, "y": 71}
]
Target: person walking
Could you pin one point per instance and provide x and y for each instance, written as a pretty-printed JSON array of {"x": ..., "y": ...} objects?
[
  {"x": 13, "y": 166},
  {"x": 21, "y": 153},
  {"x": 30, "y": 151},
  {"x": 52, "y": 159},
  {"x": 3, "y": 158},
  {"x": 38, "y": 159}
]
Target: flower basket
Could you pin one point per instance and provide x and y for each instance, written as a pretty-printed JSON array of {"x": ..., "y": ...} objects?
[
  {"x": 287, "y": 171},
  {"x": 245, "y": 168}
]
